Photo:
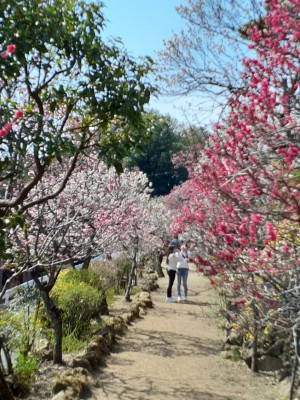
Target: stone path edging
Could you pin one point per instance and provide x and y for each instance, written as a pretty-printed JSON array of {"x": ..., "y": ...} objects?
[{"x": 174, "y": 352}]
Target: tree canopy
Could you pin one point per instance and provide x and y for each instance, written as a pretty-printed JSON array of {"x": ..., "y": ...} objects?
[
  {"x": 155, "y": 158},
  {"x": 64, "y": 94},
  {"x": 73, "y": 91}
]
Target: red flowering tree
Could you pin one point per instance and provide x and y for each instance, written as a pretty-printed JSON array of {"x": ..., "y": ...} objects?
[{"x": 244, "y": 202}]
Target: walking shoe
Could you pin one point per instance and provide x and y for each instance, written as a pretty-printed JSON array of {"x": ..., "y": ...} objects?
[
  {"x": 184, "y": 298},
  {"x": 170, "y": 300},
  {"x": 178, "y": 299}
]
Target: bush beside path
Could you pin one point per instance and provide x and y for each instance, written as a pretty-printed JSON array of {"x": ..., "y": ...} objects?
[{"x": 174, "y": 352}]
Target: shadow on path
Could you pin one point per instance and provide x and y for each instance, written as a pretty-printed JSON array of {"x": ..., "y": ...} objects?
[
  {"x": 162, "y": 344},
  {"x": 147, "y": 388},
  {"x": 173, "y": 353}
]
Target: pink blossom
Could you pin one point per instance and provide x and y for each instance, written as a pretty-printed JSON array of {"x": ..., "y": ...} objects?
[
  {"x": 3, "y": 133},
  {"x": 252, "y": 239},
  {"x": 8, "y": 126},
  {"x": 293, "y": 151},
  {"x": 256, "y": 218},
  {"x": 238, "y": 303},
  {"x": 213, "y": 270},
  {"x": 11, "y": 48},
  {"x": 258, "y": 295},
  {"x": 222, "y": 227},
  {"x": 252, "y": 254},
  {"x": 237, "y": 189},
  {"x": 19, "y": 114},
  {"x": 252, "y": 229},
  {"x": 271, "y": 231},
  {"x": 286, "y": 248},
  {"x": 242, "y": 241},
  {"x": 252, "y": 269},
  {"x": 229, "y": 240},
  {"x": 242, "y": 230}
]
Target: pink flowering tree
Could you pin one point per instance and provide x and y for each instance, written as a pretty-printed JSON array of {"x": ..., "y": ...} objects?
[
  {"x": 75, "y": 92},
  {"x": 131, "y": 221},
  {"x": 98, "y": 210},
  {"x": 243, "y": 207},
  {"x": 60, "y": 232},
  {"x": 63, "y": 93}
]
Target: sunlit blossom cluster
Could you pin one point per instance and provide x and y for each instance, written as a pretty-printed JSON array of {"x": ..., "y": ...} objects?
[{"x": 242, "y": 206}]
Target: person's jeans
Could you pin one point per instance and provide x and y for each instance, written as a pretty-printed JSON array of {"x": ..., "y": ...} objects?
[
  {"x": 172, "y": 275},
  {"x": 182, "y": 274}
]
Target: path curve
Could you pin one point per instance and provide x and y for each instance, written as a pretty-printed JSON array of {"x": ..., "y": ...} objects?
[{"x": 173, "y": 352}]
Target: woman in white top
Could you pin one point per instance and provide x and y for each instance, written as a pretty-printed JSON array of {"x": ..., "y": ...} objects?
[
  {"x": 183, "y": 272},
  {"x": 173, "y": 257}
]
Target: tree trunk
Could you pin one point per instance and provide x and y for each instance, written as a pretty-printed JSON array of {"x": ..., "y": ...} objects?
[
  {"x": 7, "y": 356},
  {"x": 132, "y": 276},
  {"x": 86, "y": 263},
  {"x": 254, "y": 366},
  {"x": 55, "y": 317},
  {"x": 157, "y": 262},
  {"x": 295, "y": 365},
  {"x": 5, "y": 392},
  {"x": 293, "y": 379}
]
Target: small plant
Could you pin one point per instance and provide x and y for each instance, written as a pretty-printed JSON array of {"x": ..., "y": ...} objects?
[
  {"x": 73, "y": 344},
  {"x": 235, "y": 355},
  {"x": 135, "y": 290},
  {"x": 110, "y": 294},
  {"x": 26, "y": 366}
]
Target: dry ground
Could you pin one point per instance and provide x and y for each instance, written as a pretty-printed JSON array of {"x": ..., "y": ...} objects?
[{"x": 173, "y": 352}]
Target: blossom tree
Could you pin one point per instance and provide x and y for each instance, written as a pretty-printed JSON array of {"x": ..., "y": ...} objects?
[
  {"x": 74, "y": 91},
  {"x": 65, "y": 92},
  {"x": 204, "y": 59},
  {"x": 98, "y": 209},
  {"x": 59, "y": 232},
  {"x": 244, "y": 206},
  {"x": 132, "y": 221}
]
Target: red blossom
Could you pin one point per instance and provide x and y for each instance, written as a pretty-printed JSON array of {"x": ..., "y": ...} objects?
[
  {"x": 258, "y": 295},
  {"x": 19, "y": 114},
  {"x": 8, "y": 126},
  {"x": 256, "y": 218},
  {"x": 11, "y": 48}
]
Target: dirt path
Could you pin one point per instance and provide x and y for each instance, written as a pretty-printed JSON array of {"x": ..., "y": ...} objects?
[{"x": 173, "y": 352}]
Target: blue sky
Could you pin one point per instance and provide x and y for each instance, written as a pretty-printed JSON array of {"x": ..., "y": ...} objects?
[{"x": 143, "y": 25}]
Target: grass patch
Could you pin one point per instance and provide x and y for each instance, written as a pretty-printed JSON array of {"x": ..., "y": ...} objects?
[
  {"x": 26, "y": 366},
  {"x": 72, "y": 344}
]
